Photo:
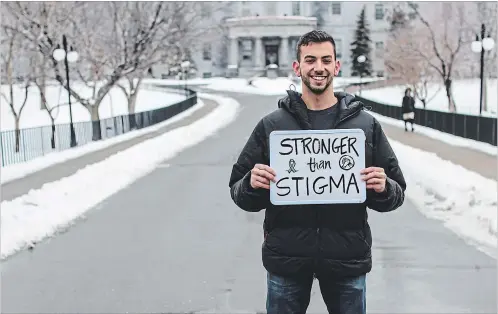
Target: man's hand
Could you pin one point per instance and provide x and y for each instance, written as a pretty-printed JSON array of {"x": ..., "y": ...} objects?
[
  {"x": 375, "y": 178},
  {"x": 261, "y": 175}
]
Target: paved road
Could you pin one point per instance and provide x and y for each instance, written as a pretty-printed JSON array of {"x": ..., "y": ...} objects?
[
  {"x": 174, "y": 242},
  {"x": 21, "y": 186}
]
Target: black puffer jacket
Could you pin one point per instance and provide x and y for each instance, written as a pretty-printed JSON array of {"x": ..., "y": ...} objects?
[{"x": 317, "y": 239}]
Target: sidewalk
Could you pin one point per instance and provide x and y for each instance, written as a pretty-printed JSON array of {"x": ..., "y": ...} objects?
[
  {"x": 16, "y": 188},
  {"x": 473, "y": 160}
]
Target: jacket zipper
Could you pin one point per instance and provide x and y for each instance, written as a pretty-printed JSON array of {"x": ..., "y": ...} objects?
[{"x": 318, "y": 251}]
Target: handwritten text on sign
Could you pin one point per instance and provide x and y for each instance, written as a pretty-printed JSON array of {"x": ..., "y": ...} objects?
[{"x": 317, "y": 167}]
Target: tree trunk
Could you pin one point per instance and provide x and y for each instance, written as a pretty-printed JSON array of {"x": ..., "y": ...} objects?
[
  {"x": 18, "y": 135},
  {"x": 96, "y": 130},
  {"x": 52, "y": 138},
  {"x": 424, "y": 102},
  {"x": 451, "y": 102},
  {"x": 132, "y": 100}
]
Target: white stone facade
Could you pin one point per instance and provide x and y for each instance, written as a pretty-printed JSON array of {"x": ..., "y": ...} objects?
[
  {"x": 258, "y": 33},
  {"x": 257, "y": 42}
]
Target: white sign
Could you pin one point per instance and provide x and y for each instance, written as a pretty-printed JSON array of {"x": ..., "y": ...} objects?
[{"x": 317, "y": 166}]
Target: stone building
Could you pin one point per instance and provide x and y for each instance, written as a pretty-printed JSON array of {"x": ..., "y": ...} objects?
[{"x": 262, "y": 33}]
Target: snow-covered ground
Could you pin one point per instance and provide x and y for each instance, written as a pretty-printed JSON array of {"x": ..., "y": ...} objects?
[
  {"x": 114, "y": 104},
  {"x": 34, "y": 216},
  {"x": 463, "y": 200},
  {"x": 465, "y": 92}
]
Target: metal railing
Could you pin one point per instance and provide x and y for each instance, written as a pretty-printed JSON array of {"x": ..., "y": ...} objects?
[
  {"x": 479, "y": 128},
  {"x": 39, "y": 141}
]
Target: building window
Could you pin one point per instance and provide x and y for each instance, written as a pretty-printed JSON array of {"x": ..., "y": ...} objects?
[
  {"x": 206, "y": 51},
  {"x": 338, "y": 48},
  {"x": 271, "y": 8},
  {"x": 379, "y": 11},
  {"x": 206, "y": 74},
  {"x": 380, "y": 73},
  {"x": 336, "y": 8},
  {"x": 296, "y": 8},
  {"x": 379, "y": 49}
]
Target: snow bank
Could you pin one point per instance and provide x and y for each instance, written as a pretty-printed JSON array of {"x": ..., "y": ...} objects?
[
  {"x": 464, "y": 201},
  {"x": 41, "y": 213}
]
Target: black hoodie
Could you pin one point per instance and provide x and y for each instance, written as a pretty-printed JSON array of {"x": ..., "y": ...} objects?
[{"x": 301, "y": 240}]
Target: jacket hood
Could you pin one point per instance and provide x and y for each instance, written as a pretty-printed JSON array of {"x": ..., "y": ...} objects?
[{"x": 295, "y": 105}]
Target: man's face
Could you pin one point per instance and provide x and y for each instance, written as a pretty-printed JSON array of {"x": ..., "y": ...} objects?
[{"x": 317, "y": 66}]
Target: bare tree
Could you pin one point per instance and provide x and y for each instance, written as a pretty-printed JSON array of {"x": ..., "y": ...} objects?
[
  {"x": 402, "y": 62},
  {"x": 13, "y": 45},
  {"x": 130, "y": 90},
  {"x": 113, "y": 40},
  {"x": 446, "y": 34}
]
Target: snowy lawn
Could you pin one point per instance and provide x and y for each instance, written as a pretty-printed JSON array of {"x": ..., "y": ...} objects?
[
  {"x": 465, "y": 92},
  {"x": 41, "y": 213},
  {"x": 114, "y": 104}
]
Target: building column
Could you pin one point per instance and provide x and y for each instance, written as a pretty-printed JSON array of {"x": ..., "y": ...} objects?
[
  {"x": 234, "y": 51},
  {"x": 258, "y": 53},
  {"x": 284, "y": 52}
]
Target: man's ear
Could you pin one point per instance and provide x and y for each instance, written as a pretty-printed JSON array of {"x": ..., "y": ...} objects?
[
  {"x": 337, "y": 67},
  {"x": 297, "y": 70}
]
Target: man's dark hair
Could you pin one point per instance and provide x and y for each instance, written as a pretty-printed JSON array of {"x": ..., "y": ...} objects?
[{"x": 315, "y": 36}]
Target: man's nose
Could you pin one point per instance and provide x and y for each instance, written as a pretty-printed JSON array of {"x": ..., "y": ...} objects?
[{"x": 319, "y": 66}]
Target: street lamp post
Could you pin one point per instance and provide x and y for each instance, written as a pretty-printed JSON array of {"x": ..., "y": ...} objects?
[
  {"x": 185, "y": 68},
  {"x": 68, "y": 56},
  {"x": 482, "y": 44},
  {"x": 361, "y": 59}
]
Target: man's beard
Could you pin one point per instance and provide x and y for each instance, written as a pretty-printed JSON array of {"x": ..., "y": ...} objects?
[{"x": 317, "y": 90}]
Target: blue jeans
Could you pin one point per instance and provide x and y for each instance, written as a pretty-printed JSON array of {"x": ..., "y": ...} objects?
[{"x": 292, "y": 296}]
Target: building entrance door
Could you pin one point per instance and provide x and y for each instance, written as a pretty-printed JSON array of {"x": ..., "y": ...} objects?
[{"x": 271, "y": 54}]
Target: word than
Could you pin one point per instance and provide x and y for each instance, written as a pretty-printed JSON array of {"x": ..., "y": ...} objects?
[
  {"x": 310, "y": 145},
  {"x": 318, "y": 185},
  {"x": 318, "y": 165}
]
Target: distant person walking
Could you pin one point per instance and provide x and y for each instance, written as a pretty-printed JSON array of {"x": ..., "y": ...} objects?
[{"x": 408, "y": 109}]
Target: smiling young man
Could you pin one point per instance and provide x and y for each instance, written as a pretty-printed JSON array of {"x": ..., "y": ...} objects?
[{"x": 329, "y": 242}]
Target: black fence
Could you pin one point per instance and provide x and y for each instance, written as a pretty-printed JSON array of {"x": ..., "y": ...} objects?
[
  {"x": 31, "y": 143},
  {"x": 479, "y": 128}
]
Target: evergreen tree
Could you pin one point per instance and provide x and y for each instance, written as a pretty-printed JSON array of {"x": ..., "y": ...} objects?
[{"x": 361, "y": 46}]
